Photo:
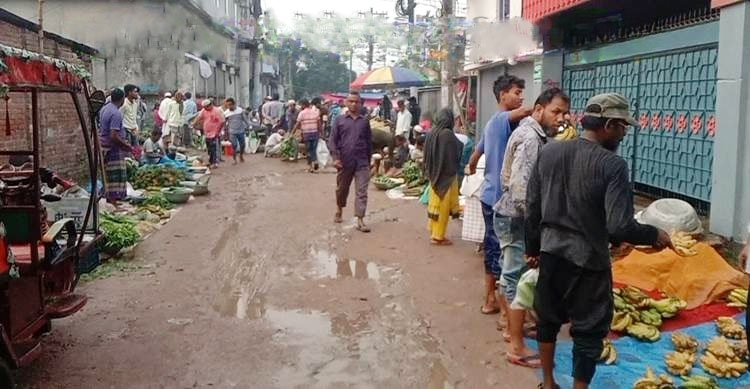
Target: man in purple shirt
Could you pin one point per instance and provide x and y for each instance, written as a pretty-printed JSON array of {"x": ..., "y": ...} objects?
[
  {"x": 115, "y": 147},
  {"x": 351, "y": 147}
]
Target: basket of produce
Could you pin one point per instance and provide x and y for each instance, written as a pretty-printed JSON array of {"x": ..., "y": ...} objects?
[
  {"x": 385, "y": 183},
  {"x": 177, "y": 195},
  {"x": 119, "y": 233},
  {"x": 197, "y": 187},
  {"x": 157, "y": 176}
]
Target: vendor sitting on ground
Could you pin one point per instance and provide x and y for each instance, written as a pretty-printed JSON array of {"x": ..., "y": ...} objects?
[
  {"x": 417, "y": 153},
  {"x": 273, "y": 144},
  {"x": 400, "y": 156},
  {"x": 152, "y": 152}
]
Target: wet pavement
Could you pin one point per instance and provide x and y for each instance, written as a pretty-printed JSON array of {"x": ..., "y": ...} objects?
[{"x": 254, "y": 287}]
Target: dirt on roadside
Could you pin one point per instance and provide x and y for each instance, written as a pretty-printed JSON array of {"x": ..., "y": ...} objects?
[{"x": 255, "y": 287}]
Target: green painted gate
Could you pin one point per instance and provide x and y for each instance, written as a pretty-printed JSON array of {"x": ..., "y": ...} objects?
[{"x": 674, "y": 98}]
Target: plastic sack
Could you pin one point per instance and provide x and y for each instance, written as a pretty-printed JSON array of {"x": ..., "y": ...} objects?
[
  {"x": 671, "y": 215},
  {"x": 525, "y": 290},
  {"x": 324, "y": 156}
]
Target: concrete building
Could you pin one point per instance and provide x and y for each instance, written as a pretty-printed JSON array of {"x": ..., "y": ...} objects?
[
  {"x": 204, "y": 46},
  {"x": 684, "y": 66},
  {"x": 489, "y": 58}
]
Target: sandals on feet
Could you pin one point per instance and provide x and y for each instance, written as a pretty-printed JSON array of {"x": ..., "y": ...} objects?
[
  {"x": 532, "y": 361},
  {"x": 492, "y": 311},
  {"x": 444, "y": 242}
]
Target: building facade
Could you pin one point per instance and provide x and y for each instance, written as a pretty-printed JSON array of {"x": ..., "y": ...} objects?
[
  {"x": 203, "y": 46},
  {"x": 682, "y": 67}
]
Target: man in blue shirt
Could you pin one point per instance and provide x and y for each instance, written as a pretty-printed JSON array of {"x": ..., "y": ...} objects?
[{"x": 508, "y": 91}]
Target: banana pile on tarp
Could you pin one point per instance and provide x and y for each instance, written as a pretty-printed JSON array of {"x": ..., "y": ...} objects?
[
  {"x": 640, "y": 316},
  {"x": 683, "y": 244},
  {"x": 724, "y": 359},
  {"x": 651, "y": 381},
  {"x": 680, "y": 361},
  {"x": 609, "y": 353},
  {"x": 737, "y": 298}
]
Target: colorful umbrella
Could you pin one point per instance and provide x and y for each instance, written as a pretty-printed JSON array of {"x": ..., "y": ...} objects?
[{"x": 389, "y": 77}]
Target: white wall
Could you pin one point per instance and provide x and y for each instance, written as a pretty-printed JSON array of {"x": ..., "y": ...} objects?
[
  {"x": 487, "y": 104},
  {"x": 487, "y": 9}
]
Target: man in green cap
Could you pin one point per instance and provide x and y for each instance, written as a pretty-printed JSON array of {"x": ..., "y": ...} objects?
[{"x": 579, "y": 201}]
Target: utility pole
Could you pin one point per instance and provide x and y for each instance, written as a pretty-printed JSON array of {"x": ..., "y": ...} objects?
[
  {"x": 41, "y": 28},
  {"x": 448, "y": 64}
]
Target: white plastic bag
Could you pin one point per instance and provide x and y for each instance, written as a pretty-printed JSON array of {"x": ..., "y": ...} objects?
[
  {"x": 525, "y": 290},
  {"x": 324, "y": 156}
]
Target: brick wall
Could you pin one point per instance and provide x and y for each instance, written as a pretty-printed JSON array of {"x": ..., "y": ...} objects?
[{"x": 61, "y": 136}]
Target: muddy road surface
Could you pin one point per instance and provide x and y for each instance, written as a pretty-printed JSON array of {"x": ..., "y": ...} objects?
[{"x": 255, "y": 287}]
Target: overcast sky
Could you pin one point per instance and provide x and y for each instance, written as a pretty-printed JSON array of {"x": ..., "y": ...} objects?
[{"x": 285, "y": 9}]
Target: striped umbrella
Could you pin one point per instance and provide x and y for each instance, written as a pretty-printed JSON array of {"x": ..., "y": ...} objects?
[{"x": 389, "y": 77}]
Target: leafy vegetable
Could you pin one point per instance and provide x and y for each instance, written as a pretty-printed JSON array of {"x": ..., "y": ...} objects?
[
  {"x": 157, "y": 176},
  {"x": 156, "y": 199},
  {"x": 119, "y": 232}
]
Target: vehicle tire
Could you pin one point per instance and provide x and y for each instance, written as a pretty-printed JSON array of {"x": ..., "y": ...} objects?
[{"x": 6, "y": 376}]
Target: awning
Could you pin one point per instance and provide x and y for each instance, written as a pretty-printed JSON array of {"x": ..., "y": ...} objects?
[{"x": 203, "y": 66}]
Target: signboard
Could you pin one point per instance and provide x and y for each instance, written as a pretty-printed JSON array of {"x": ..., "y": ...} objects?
[{"x": 538, "y": 71}]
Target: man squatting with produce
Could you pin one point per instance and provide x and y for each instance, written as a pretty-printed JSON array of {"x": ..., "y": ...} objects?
[
  {"x": 578, "y": 201},
  {"x": 351, "y": 148}
]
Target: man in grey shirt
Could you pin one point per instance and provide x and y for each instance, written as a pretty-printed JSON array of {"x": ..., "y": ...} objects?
[
  {"x": 236, "y": 125},
  {"x": 579, "y": 200},
  {"x": 272, "y": 112}
]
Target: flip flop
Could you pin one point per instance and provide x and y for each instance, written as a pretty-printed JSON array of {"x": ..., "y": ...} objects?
[
  {"x": 531, "y": 361},
  {"x": 444, "y": 242},
  {"x": 338, "y": 219},
  {"x": 361, "y": 228},
  {"x": 493, "y": 311},
  {"x": 527, "y": 333}
]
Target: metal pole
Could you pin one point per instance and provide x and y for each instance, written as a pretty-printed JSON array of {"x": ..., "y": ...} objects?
[{"x": 41, "y": 28}]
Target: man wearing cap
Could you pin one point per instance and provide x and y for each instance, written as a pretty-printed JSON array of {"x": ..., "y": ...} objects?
[
  {"x": 272, "y": 112},
  {"x": 579, "y": 201},
  {"x": 211, "y": 119},
  {"x": 163, "y": 106},
  {"x": 291, "y": 115},
  {"x": 403, "y": 120}
]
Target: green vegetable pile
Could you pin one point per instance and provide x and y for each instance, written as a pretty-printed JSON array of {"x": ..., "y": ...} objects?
[
  {"x": 132, "y": 168},
  {"x": 157, "y": 176},
  {"x": 289, "y": 148},
  {"x": 412, "y": 172},
  {"x": 156, "y": 200},
  {"x": 119, "y": 232},
  {"x": 384, "y": 183}
]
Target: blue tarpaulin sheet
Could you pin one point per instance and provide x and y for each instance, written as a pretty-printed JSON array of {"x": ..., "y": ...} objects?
[{"x": 635, "y": 356}]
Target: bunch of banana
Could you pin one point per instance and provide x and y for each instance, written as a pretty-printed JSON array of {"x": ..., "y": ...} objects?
[
  {"x": 651, "y": 381},
  {"x": 679, "y": 363},
  {"x": 644, "y": 332},
  {"x": 609, "y": 353},
  {"x": 667, "y": 307},
  {"x": 730, "y": 327},
  {"x": 683, "y": 244},
  {"x": 621, "y": 304},
  {"x": 699, "y": 382},
  {"x": 738, "y": 298},
  {"x": 720, "y": 368},
  {"x": 740, "y": 350},
  {"x": 651, "y": 317},
  {"x": 633, "y": 295},
  {"x": 566, "y": 132},
  {"x": 684, "y": 343},
  {"x": 620, "y": 321},
  {"x": 720, "y": 348}
]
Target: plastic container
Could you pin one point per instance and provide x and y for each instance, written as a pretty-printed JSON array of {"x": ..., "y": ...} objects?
[{"x": 177, "y": 195}]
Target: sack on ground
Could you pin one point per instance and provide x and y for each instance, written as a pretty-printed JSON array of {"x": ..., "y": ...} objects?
[
  {"x": 525, "y": 291},
  {"x": 324, "y": 156}
]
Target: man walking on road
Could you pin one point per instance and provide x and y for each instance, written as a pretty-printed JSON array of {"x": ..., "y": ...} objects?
[
  {"x": 236, "y": 125},
  {"x": 521, "y": 155},
  {"x": 211, "y": 119},
  {"x": 272, "y": 112},
  {"x": 351, "y": 148},
  {"x": 508, "y": 92},
  {"x": 579, "y": 201},
  {"x": 189, "y": 111}
]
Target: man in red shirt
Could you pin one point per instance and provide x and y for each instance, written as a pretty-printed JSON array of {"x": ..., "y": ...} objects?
[{"x": 212, "y": 120}]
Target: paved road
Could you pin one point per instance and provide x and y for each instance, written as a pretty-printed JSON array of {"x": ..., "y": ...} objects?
[{"x": 254, "y": 287}]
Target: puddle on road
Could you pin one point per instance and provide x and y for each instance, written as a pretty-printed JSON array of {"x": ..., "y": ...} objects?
[
  {"x": 327, "y": 264},
  {"x": 243, "y": 304}
]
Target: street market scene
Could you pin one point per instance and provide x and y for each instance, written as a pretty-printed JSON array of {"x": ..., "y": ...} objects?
[{"x": 374, "y": 194}]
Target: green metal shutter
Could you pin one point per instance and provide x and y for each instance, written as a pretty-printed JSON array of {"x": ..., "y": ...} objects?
[{"x": 674, "y": 98}]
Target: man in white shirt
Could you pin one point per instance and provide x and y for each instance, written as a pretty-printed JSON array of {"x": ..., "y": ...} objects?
[
  {"x": 403, "y": 120},
  {"x": 273, "y": 144},
  {"x": 163, "y": 106},
  {"x": 129, "y": 110},
  {"x": 174, "y": 120}
]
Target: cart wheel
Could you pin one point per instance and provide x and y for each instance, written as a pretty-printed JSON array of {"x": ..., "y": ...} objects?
[{"x": 6, "y": 376}]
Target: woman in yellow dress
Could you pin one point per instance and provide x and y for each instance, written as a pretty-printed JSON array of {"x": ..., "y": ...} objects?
[{"x": 442, "y": 153}]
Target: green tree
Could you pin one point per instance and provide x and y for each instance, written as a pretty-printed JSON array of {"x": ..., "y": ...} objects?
[{"x": 319, "y": 72}]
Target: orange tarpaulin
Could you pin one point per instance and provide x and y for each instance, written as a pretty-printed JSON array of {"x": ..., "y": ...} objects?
[{"x": 699, "y": 279}]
